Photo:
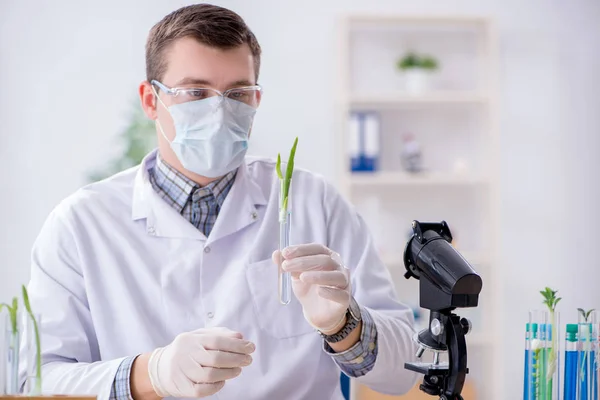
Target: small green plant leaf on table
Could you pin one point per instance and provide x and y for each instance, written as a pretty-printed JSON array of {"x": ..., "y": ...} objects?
[{"x": 287, "y": 180}]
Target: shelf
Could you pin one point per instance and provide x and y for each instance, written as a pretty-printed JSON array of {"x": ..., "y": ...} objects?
[
  {"x": 400, "y": 100},
  {"x": 421, "y": 179},
  {"x": 379, "y": 19}
]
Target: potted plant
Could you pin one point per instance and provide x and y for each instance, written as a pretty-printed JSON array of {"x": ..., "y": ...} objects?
[{"x": 417, "y": 69}]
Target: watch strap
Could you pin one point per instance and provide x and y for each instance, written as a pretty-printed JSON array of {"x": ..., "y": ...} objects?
[{"x": 352, "y": 320}]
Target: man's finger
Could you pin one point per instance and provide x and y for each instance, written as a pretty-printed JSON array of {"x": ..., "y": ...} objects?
[
  {"x": 226, "y": 343},
  {"x": 221, "y": 331},
  {"x": 224, "y": 359},
  {"x": 275, "y": 257},
  {"x": 213, "y": 375},
  {"x": 206, "y": 389},
  {"x": 338, "y": 295},
  {"x": 319, "y": 262},
  {"x": 336, "y": 279},
  {"x": 303, "y": 250}
]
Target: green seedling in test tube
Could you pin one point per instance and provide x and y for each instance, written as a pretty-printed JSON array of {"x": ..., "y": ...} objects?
[
  {"x": 551, "y": 300},
  {"x": 37, "y": 389},
  {"x": 13, "y": 346},
  {"x": 285, "y": 279}
]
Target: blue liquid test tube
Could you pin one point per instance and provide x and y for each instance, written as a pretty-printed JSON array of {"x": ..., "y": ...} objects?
[
  {"x": 526, "y": 368},
  {"x": 570, "y": 385},
  {"x": 285, "y": 220},
  {"x": 586, "y": 364}
]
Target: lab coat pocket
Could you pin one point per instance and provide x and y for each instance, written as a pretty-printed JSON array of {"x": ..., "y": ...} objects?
[{"x": 278, "y": 320}]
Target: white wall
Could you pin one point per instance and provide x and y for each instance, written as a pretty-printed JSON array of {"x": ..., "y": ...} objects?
[{"x": 69, "y": 70}]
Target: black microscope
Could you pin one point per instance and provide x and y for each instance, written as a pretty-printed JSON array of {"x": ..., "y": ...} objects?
[{"x": 447, "y": 281}]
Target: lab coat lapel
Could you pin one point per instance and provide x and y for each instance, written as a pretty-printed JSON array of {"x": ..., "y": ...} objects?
[
  {"x": 240, "y": 207},
  {"x": 161, "y": 219}
]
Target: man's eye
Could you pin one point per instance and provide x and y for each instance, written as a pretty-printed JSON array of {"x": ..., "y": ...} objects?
[
  {"x": 237, "y": 95},
  {"x": 197, "y": 93}
]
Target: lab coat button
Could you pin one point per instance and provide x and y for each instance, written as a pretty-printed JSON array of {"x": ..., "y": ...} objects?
[
  {"x": 254, "y": 215},
  {"x": 207, "y": 249},
  {"x": 210, "y": 314},
  {"x": 151, "y": 230}
]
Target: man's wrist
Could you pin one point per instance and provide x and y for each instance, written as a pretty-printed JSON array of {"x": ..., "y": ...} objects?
[
  {"x": 141, "y": 387},
  {"x": 348, "y": 323},
  {"x": 336, "y": 328},
  {"x": 349, "y": 341}
]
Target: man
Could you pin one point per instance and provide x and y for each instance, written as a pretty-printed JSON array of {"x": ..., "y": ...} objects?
[{"x": 161, "y": 281}]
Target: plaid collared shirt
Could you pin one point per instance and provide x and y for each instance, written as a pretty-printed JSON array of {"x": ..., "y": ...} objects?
[{"x": 201, "y": 206}]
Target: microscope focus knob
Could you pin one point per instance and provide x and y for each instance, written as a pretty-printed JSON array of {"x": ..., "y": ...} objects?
[
  {"x": 436, "y": 327},
  {"x": 466, "y": 325}
]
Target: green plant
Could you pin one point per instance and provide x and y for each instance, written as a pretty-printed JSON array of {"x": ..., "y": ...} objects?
[
  {"x": 550, "y": 300},
  {"x": 413, "y": 60},
  {"x": 585, "y": 314},
  {"x": 138, "y": 139},
  {"x": 12, "y": 312},
  {"x": 288, "y": 178},
  {"x": 429, "y": 63},
  {"x": 38, "y": 350}
]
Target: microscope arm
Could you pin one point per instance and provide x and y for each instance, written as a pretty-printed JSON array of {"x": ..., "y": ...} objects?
[{"x": 457, "y": 355}]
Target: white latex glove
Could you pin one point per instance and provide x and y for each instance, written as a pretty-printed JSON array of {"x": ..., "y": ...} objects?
[
  {"x": 197, "y": 364},
  {"x": 321, "y": 284}
]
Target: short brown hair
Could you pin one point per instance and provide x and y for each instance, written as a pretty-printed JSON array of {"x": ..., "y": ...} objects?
[{"x": 211, "y": 25}]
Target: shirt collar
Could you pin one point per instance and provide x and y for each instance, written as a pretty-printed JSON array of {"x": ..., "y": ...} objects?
[{"x": 177, "y": 189}]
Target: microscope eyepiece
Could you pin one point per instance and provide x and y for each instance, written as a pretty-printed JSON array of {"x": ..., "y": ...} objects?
[{"x": 447, "y": 279}]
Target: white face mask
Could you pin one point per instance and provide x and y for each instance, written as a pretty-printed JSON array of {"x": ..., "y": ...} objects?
[{"x": 211, "y": 135}]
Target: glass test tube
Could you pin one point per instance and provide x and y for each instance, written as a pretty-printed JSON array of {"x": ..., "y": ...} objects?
[
  {"x": 285, "y": 220},
  {"x": 11, "y": 348},
  {"x": 570, "y": 382},
  {"x": 527, "y": 366},
  {"x": 586, "y": 361},
  {"x": 543, "y": 374}
]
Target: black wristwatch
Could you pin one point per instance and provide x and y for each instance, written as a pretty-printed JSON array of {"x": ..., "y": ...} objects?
[{"x": 353, "y": 318}]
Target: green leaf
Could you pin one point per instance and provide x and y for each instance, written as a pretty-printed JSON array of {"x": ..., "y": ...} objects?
[
  {"x": 550, "y": 299},
  {"x": 278, "y": 166},
  {"x": 288, "y": 174},
  {"x": 12, "y": 313},
  {"x": 26, "y": 300},
  {"x": 556, "y": 301},
  {"x": 290, "y": 166}
]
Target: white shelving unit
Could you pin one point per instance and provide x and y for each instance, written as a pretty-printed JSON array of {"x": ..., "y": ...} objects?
[{"x": 455, "y": 122}]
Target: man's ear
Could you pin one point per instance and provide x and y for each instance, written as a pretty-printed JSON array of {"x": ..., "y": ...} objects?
[
  {"x": 259, "y": 98},
  {"x": 148, "y": 100}
]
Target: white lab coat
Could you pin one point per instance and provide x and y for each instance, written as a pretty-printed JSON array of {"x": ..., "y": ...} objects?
[{"x": 117, "y": 272}]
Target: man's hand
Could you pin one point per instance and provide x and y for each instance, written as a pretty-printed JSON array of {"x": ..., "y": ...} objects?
[
  {"x": 198, "y": 363},
  {"x": 320, "y": 282}
]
